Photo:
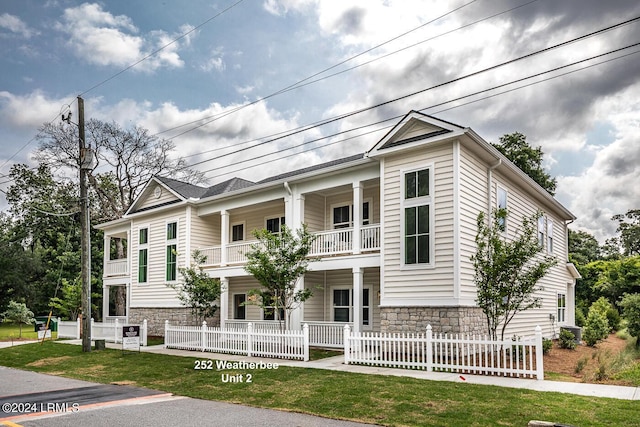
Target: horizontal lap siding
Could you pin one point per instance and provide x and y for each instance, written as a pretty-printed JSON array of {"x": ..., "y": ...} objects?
[
  {"x": 314, "y": 307},
  {"x": 472, "y": 201},
  {"x": 155, "y": 293},
  {"x": 165, "y": 197},
  {"x": 314, "y": 206},
  {"x": 254, "y": 217},
  {"x": 520, "y": 205},
  {"x": 422, "y": 283},
  {"x": 205, "y": 231}
]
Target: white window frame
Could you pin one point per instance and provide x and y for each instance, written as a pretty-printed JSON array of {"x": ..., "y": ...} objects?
[
  {"x": 365, "y": 221},
  {"x": 541, "y": 232},
  {"x": 281, "y": 221},
  {"x": 143, "y": 247},
  {"x": 499, "y": 191},
  {"x": 244, "y": 231},
  {"x": 549, "y": 235},
  {"x": 415, "y": 202},
  {"x": 171, "y": 242},
  {"x": 561, "y": 305},
  {"x": 233, "y": 302},
  {"x": 350, "y": 289}
]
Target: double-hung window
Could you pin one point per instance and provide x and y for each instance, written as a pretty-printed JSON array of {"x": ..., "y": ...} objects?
[
  {"x": 237, "y": 232},
  {"x": 143, "y": 255},
  {"x": 541, "y": 230},
  {"x": 417, "y": 217},
  {"x": 343, "y": 215},
  {"x": 271, "y": 310},
  {"x": 562, "y": 307},
  {"x": 171, "y": 251},
  {"x": 239, "y": 309},
  {"x": 343, "y": 305},
  {"x": 549, "y": 236}
]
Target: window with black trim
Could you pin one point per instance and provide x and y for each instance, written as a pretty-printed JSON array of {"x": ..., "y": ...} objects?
[
  {"x": 237, "y": 232},
  {"x": 274, "y": 225},
  {"x": 239, "y": 308}
]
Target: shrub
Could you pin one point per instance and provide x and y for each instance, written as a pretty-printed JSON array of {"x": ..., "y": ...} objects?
[
  {"x": 613, "y": 317},
  {"x": 581, "y": 364},
  {"x": 631, "y": 310},
  {"x": 567, "y": 339},
  {"x": 547, "y": 345},
  {"x": 596, "y": 328}
]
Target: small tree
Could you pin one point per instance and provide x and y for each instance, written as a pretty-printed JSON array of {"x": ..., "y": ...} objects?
[
  {"x": 17, "y": 312},
  {"x": 277, "y": 262},
  {"x": 631, "y": 310},
  {"x": 198, "y": 291},
  {"x": 70, "y": 304},
  {"x": 507, "y": 271},
  {"x": 597, "y": 327}
]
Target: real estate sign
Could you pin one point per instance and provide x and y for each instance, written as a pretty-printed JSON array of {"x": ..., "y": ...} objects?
[{"x": 131, "y": 337}]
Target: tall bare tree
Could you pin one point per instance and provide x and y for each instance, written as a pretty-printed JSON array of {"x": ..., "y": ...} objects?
[{"x": 124, "y": 160}]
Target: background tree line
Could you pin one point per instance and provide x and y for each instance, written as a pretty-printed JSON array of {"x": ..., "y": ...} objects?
[{"x": 39, "y": 232}]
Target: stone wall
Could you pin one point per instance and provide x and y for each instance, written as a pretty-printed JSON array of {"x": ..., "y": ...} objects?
[
  {"x": 156, "y": 316},
  {"x": 456, "y": 320}
]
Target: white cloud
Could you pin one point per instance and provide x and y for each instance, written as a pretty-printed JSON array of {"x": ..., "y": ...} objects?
[
  {"x": 103, "y": 39},
  {"x": 16, "y": 25}
]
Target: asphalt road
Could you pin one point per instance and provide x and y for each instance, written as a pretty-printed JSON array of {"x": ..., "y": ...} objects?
[{"x": 30, "y": 399}]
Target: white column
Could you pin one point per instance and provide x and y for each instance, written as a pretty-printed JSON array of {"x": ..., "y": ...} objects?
[
  {"x": 357, "y": 216},
  {"x": 297, "y": 315},
  {"x": 298, "y": 211},
  {"x": 358, "y": 273},
  {"x": 224, "y": 301},
  {"x": 105, "y": 302},
  {"x": 107, "y": 251},
  {"x": 571, "y": 304},
  {"x": 224, "y": 236}
]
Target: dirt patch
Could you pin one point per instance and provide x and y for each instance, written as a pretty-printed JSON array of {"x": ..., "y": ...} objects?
[
  {"x": 123, "y": 383},
  {"x": 49, "y": 361},
  {"x": 584, "y": 363}
]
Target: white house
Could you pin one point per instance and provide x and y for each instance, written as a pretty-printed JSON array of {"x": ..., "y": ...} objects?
[{"x": 395, "y": 225}]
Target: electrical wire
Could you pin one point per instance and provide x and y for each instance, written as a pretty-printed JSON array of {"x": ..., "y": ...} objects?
[
  {"x": 333, "y": 119},
  {"x": 436, "y": 105}
]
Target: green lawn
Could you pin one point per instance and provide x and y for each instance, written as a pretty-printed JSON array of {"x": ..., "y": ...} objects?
[
  {"x": 10, "y": 331},
  {"x": 368, "y": 398}
]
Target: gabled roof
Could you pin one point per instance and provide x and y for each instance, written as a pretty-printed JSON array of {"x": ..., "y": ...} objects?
[
  {"x": 227, "y": 186},
  {"x": 184, "y": 189},
  {"x": 414, "y": 129}
]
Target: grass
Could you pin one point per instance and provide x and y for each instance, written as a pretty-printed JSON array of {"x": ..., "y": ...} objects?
[
  {"x": 11, "y": 331},
  {"x": 368, "y": 398}
]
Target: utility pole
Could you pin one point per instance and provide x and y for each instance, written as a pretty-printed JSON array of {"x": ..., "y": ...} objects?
[{"x": 85, "y": 258}]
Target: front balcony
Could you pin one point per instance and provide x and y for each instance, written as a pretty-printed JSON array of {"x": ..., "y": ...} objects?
[
  {"x": 116, "y": 268},
  {"x": 327, "y": 243}
]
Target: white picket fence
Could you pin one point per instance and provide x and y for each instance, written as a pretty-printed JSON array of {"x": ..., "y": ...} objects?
[
  {"x": 239, "y": 340},
  {"x": 321, "y": 334},
  {"x": 519, "y": 357},
  {"x": 108, "y": 331}
]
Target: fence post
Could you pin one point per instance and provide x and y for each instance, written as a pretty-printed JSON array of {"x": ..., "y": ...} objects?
[
  {"x": 115, "y": 331},
  {"x": 166, "y": 333},
  {"x": 144, "y": 332},
  {"x": 203, "y": 335},
  {"x": 305, "y": 334},
  {"x": 249, "y": 339},
  {"x": 539, "y": 357},
  {"x": 347, "y": 335},
  {"x": 429, "y": 348},
  {"x": 78, "y": 323}
]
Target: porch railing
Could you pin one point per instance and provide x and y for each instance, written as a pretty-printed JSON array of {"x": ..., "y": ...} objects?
[
  {"x": 116, "y": 267},
  {"x": 327, "y": 334},
  {"x": 327, "y": 243}
]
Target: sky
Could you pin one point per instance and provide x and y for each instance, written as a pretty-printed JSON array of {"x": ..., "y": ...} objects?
[{"x": 228, "y": 80}]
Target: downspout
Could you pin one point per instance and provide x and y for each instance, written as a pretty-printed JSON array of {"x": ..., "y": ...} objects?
[{"x": 489, "y": 184}]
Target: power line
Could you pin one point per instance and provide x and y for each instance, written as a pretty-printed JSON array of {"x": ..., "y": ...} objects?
[
  {"x": 439, "y": 104},
  {"x": 180, "y": 37},
  {"x": 333, "y": 119}
]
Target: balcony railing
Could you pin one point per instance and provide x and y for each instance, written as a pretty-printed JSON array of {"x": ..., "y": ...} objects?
[
  {"x": 327, "y": 243},
  {"x": 116, "y": 267}
]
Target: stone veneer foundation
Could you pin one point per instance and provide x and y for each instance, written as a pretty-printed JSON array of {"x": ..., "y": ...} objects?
[
  {"x": 451, "y": 320},
  {"x": 156, "y": 316}
]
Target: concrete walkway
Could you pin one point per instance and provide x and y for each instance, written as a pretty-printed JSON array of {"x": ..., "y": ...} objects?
[{"x": 336, "y": 364}]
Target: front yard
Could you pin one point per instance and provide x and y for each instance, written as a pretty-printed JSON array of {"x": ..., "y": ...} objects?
[{"x": 368, "y": 398}]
